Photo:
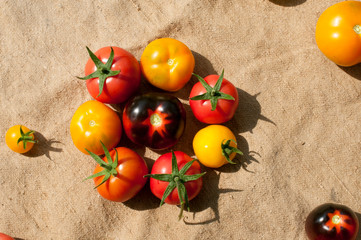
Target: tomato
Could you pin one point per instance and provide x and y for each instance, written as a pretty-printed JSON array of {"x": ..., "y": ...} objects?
[
  {"x": 332, "y": 221},
  {"x": 338, "y": 33},
  {"x": 214, "y": 99},
  {"x": 215, "y": 145},
  {"x": 155, "y": 120},
  {"x": 3, "y": 236},
  {"x": 112, "y": 75},
  {"x": 176, "y": 174},
  {"x": 20, "y": 139},
  {"x": 93, "y": 122},
  {"x": 119, "y": 176},
  {"x": 167, "y": 64}
]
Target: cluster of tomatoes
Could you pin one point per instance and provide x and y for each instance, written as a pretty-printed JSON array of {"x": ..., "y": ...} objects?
[
  {"x": 152, "y": 119},
  {"x": 157, "y": 120}
]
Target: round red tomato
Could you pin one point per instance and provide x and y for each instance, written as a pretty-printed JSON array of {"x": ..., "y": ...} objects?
[
  {"x": 154, "y": 120},
  {"x": 94, "y": 122},
  {"x": 175, "y": 174},
  {"x": 331, "y": 221},
  {"x": 3, "y": 236},
  {"x": 119, "y": 176},
  {"x": 112, "y": 75},
  {"x": 214, "y": 99}
]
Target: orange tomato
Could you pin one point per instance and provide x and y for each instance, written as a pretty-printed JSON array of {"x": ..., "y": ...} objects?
[
  {"x": 167, "y": 64},
  {"x": 92, "y": 123},
  {"x": 338, "y": 33},
  {"x": 119, "y": 176},
  {"x": 19, "y": 139}
]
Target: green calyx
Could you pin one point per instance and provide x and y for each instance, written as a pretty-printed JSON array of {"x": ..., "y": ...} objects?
[
  {"x": 213, "y": 93},
  {"x": 227, "y": 150},
  {"x": 176, "y": 180},
  {"x": 25, "y": 137},
  {"x": 109, "y": 168},
  {"x": 103, "y": 70}
]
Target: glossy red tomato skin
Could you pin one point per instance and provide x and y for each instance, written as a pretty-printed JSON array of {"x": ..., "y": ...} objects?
[
  {"x": 118, "y": 88},
  {"x": 163, "y": 165},
  {"x": 3, "y": 236},
  {"x": 320, "y": 225},
  {"x": 137, "y": 120},
  {"x": 129, "y": 180},
  {"x": 225, "y": 109}
]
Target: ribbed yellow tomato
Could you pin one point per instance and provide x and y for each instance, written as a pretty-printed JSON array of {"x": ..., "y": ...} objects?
[
  {"x": 338, "y": 33},
  {"x": 19, "y": 139},
  {"x": 94, "y": 122},
  {"x": 215, "y": 145},
  {"x": 167, "y": 64}
]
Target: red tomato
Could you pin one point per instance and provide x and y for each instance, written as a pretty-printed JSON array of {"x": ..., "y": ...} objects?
[
  {"x": 331, "y": 221},
  {"x": 214, "y": 99},
  {"x": 175, "y": 173},
  {"x": 112, "y": 79},
  {"x": 5, "y": 237},
  {"x": 119, "y": 176}
]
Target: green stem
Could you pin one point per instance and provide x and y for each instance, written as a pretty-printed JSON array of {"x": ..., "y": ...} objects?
[
  {"x": 176, "y": 181},
  {"x": 181, "y": 212}
]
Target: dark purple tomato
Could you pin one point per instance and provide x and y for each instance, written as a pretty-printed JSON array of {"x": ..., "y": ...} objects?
[
  {"x": 155, "y": 120},
  {"x": 331, "y": 221}
]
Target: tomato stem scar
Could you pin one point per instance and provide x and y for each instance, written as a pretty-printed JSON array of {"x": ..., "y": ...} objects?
[
  {"x": 155, "y": 119},
  {"x": 336, "y": 219},
  {"x": 170, "y": 61},
  {"x": 357, "y": 29},
  {"x": 91, "y": 123}
]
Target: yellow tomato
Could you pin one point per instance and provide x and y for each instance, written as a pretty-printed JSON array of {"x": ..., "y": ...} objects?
[
  {"x": 215, "y": 145},
  {"x": 338, "y": 33},
  {"x": 92, "y": 123},
  {"x": 19, "y": 139},
  {"x": 167, "y": 64}
]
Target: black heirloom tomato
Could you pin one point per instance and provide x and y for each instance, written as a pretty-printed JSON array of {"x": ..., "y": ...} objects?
[
  {"x": 155, "y": 120},
  {"x": 331, "y": 221}
]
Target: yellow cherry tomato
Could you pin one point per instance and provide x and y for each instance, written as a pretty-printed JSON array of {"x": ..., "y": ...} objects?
[
  {"x": 20, "y": 139},
  {"x": 215, "y": 145},
  {"x": 167, "y": 64},
  {"x": 338, "y": 33},
  {"x": 94, "y": 122}
]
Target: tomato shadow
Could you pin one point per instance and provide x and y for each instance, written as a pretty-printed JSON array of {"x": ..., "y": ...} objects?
[
  {"x": 248, "y": 113},
  {"x": 288, "y": 3},
  {"x": 358, "y": 237},
  {"x": 15, "y": 238},
  {"x": 208, "y": 198},
  {"x": 353, "y": 71},
  {"x": 43, "y": 146}
]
